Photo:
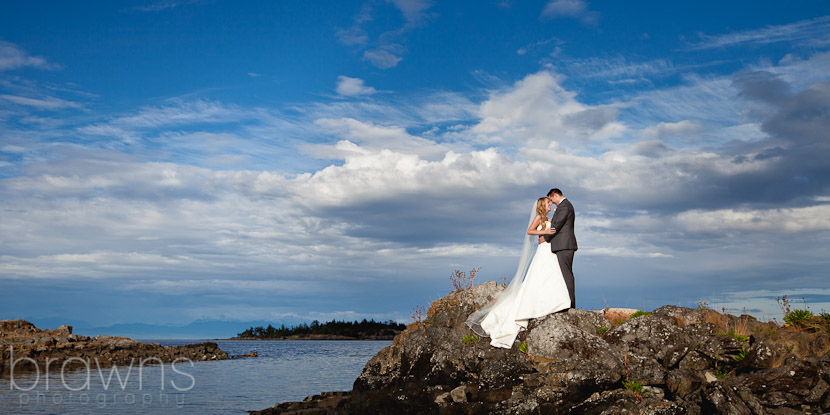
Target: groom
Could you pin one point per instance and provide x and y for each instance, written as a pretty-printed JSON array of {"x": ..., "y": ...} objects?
[{"x": 563, "y": 242}]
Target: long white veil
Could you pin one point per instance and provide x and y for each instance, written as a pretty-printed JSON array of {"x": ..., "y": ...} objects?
[{"x": 475, "y": 319}]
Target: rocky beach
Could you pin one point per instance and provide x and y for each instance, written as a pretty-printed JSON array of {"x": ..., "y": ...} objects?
[
  {"x": 674, "y": 360},
  {"x": 29, "y": 348}
]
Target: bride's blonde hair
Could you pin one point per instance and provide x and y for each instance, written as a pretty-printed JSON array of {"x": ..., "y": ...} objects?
[{"x": 540, "y": 209}]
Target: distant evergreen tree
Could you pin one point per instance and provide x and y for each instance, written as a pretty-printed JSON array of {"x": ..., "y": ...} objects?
[{"x": 355, "y": 329}]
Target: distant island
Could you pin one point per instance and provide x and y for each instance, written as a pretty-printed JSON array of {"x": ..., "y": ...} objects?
[
  {"x": 331, "y": 330},
  {"x": 24, "y": 347}
]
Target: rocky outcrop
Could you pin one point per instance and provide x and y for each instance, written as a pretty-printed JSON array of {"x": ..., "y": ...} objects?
[
  {"x": 25, "y": 346},
  {"x": 674, "y": 360}
]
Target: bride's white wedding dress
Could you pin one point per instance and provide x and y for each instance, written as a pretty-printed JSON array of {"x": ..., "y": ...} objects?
[{"x": 541, "y": 292}]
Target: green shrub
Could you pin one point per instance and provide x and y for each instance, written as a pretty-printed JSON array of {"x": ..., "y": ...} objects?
[
  {"x": 523, "y": 347},
  {"x": 634, "y": 386},
  {"x": 602, "y": 330},
  {"x": 468, "y": 339},
  {"x": 738, "y": 337},
  {"x": 798, "y": 317},
  {"x": 719, "y": 373},
  {"x": 639, "y": 313}
]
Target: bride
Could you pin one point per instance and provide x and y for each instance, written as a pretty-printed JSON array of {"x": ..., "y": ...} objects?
[{"x": 537, "y": 288}]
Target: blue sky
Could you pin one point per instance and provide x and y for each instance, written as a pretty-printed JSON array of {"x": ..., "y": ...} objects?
[{"x": 166, "y": 162}]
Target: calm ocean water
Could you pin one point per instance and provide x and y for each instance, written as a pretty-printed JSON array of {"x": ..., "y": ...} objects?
[{"x": 284, "y": 371}]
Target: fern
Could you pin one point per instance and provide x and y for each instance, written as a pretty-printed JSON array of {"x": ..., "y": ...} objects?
[{"x": 741, "y": 354}]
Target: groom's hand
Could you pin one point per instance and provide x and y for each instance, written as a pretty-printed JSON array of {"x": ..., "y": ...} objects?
[{"x": 549, "y": 236}]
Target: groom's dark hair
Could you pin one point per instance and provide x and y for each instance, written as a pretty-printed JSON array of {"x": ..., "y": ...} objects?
[{"x": 555, "y": 191}]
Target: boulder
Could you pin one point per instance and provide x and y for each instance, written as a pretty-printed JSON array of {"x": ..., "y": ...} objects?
[
  {"x": 574, "y": 363},
  {"x": 680, "y": 316},
  {"x": 764, "y": 354}
]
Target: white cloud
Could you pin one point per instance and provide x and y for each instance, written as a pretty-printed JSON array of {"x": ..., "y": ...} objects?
[
  {"x": 417, "y": 111},
  {"x": 110, "y": 131},
  {"x": 210, "y": 223},
  {"x": 537, "y": 45},
  {"x": 413, "y": 10},
  {"x": 46, "y": 103},
  {"x": 804, "y": 219},
  {"x": 576, "y": 9},
  {"x": 386, "y": 50},
  {"x": 800, "y": 73},
  {"x": 97, "y": 264},
  {"x": 617, "y": 68},
  {"x": 462, "y": 250},
  {"x": 668, "y": 130},
  {"x": 164, "y": 5},
  {"x": 370, "y": 176},
  {"x": 621, "y": 252},
  {"x": 350, "y": 87},
  {"x": 373, "y": 138},
  {"x": 698, "y": 99},
  {"x": 538, "y": 111},
  {"x": 805, "y": 31},
  {"x": 12, "y": 57},
  {"x": 354, "y": 36},
  {"x": 191, "y": 286},
  {"x": 181, "y": 113},
  {"x": 381, "y": 58}
]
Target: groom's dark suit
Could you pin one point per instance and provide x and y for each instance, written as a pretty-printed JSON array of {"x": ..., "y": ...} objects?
[{"x": 563, "y": 243}]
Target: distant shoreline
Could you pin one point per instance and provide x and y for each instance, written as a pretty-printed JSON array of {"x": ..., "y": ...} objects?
[
  {"x": 330, "y": 330},
  {"x": 313, "y": 337}
]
